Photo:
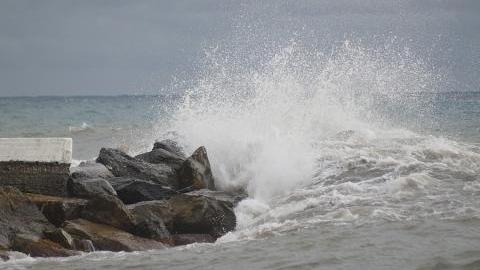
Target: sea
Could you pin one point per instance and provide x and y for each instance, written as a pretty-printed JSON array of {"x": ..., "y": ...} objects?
[{"x": 357, "y": 159}]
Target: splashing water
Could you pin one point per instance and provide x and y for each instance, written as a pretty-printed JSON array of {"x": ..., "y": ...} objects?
[
  {"x": 262, "y": 125},
  {"x": 306, "y": 132}
]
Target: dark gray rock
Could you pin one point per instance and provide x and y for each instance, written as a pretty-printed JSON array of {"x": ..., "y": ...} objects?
[
  {"x": 89, "y": 188},
  {"x": 58, "y": 209},
  {"x": 39, "y": 247},
  {"x": 170, "y": 146},
  {"x": 121, "y": 165},
  {"x": 162, "y": 156},
  {"x": 159, "y": 209},
  {"x": 132, "y": 190},
  {"x": 190, "y": 214},
  {"x": 195, "y": 172},
  {"x": 106, "y": 237},
  {"x": 150, "y": 225},
  {"x": 18, "y": 215},
  {"x": 197, "y": 214},
  {"x": 111, "y": 211},
  {"x": 90, "y": 169}
]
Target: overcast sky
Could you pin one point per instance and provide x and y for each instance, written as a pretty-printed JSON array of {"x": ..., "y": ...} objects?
[{"x": 65, "y": 47}]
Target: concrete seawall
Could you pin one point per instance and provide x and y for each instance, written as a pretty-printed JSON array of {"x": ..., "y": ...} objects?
[{"x": 37, "y": 165}]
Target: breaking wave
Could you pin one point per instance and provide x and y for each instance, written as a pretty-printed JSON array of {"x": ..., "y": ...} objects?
[{"x": 315, "y": 137}]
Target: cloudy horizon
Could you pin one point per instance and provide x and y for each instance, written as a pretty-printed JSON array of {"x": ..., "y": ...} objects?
[{"x": 125, "y": 48}]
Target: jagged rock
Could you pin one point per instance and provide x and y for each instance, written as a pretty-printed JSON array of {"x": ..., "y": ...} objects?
[
  {"x": 132, "y": 190},
  {"x": 170, "y": 146},
  {"x": 121, "y": 164},
  {"x": 160, "y": 209},
  {"x": 89, "y": 170},
  {"x": 190, "y": 214},
  {"x": 162, "y": 156},
  {"x": 231, "y": 197},
  {"x": 18, "y": 215},
  {"x": 89, "y": 188},
  {"x": 60, "y": 237},
  {"x": 58, "y": 209},
  {"x": 195, "y": 172},
  {"x": 38, "y": 247},
  {"x": 196, "y": 214},
  {"x": 150, "y": 223},
  {"x": 185, "y": 239},
  {"x": 111, "y": 211},
  {"x": 105, "y": 237}
]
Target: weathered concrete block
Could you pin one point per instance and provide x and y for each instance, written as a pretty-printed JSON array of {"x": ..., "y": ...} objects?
[{"x": 36, "y": 165}]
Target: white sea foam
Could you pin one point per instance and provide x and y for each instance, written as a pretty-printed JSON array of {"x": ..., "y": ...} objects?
[{"x": 316, "y": 137}]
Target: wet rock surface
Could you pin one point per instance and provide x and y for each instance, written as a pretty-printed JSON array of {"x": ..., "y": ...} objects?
[
  {"x": 196, "y": 214},
  {"x": 106, "y": 237},
  {"x": 58, "y": 209},
  {"x": 38, "y": 247},
  {"x": 132, "y": 190},
  {"x": 121, "y": 164},
  {"x": 18, "y": 215},
  {"x": 195, "y": 172},
  {"x": 170, "y": 146},
  {"x": 162, "y": 156},
  {"x": 111, "y": 211},
  {"x": 89, "y": 188}
]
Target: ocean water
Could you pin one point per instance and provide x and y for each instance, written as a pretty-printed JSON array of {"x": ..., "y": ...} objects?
[{"x": 351, "y": 160}]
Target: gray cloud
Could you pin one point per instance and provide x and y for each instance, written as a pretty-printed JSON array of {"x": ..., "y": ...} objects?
[{"x": 67, "y": 47}]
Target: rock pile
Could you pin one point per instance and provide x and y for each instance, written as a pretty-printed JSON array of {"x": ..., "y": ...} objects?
[{"x": 121, "y": 203}]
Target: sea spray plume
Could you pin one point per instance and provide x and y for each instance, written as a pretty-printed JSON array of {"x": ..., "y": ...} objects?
[{"x": 261, "y": 123}]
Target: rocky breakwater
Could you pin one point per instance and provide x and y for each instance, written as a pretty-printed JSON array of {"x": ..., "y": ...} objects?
[{"x": 121, "y": 203}]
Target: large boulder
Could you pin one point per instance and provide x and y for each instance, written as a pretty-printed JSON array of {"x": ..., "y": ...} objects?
[
  {"x": 195, "y": 172},
  {"x": 121, "y": 164},
  {"x": 111, "y": 211},
  {"x": 39, "y": 247},
  {"x": 158, "y": 209},
  {"x": 190, "y": 214},
  {"x": 170, "y": 146},
  {"x": 58, "y": 209},
  {"x": 162, "y": 156},
  {"x": 18, "y": 215},
  {"x": 197, "y": 214},
  {"x": 90, "y": 169},
  {"x": 131, "y": 190},
  {"x": 105, "y": 237},
  {"x": 150, "y": 225},
  {"x": 89, "y": 188}
]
